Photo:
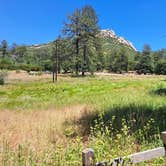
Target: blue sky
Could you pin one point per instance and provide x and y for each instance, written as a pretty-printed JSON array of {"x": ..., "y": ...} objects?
[{"x": 41, "y": 21}]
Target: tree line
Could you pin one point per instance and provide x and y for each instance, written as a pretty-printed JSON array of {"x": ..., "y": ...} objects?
[{"x": 80, "y": 49}]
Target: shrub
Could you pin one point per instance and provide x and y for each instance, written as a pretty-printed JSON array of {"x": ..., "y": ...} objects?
[
  {"x": 161, "y": 67},
  {"x": 6, "y": 63},
  {"x": 1, "y": 80},
  {"x": 29, "y": 68},
  {"x": 3, "y": 74}
]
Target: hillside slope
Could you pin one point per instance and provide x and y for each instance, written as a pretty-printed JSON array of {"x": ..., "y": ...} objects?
[{"x": 109, "y": 38}]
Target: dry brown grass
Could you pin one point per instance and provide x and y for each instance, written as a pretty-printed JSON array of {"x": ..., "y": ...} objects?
[
  {"x": 127, "y": 75},
  {"x": 24, "y": 76},
  {"x": 38, "y": 129}
]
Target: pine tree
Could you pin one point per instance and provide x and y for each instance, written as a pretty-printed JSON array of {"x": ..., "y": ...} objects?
[
  {"x": 72, "y": 31},
  {"x": 145, "y": 62},
  {"x": 118, "y": 61},
  {"x": 82, "y": 30},
  {"x": 4, "y": 46},
  {"x": 89, "y": 32}
]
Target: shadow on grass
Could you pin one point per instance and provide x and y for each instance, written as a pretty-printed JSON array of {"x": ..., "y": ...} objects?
[
  {"x": 80, "y": 76},
  {"x": 160, "y": 91},
  {"x": 135, "y": 116}
]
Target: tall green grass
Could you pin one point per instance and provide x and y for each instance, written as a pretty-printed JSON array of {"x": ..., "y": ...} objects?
[{"x": 98, "y": 92}]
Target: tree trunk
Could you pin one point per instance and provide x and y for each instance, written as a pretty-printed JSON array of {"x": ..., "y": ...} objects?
[
  {"x": 84, "y": 61},
  {"x": 77, "y": 55}
]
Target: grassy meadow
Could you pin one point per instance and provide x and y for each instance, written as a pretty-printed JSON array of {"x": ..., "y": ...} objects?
[{"x": 42, "y": 123}]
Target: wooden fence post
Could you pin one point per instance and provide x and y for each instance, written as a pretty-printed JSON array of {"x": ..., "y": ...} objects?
[
  {"x": 163, "y": 136},
  {"x": 88, "y": 157}
]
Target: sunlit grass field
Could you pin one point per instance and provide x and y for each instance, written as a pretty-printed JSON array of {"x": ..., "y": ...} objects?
[
  {"x": 50, "y": 124},
  {"x": 96, "y": 91}
]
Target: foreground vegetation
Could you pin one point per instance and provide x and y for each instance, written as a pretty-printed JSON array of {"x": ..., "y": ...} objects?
[{"x": 50, "y": 124}]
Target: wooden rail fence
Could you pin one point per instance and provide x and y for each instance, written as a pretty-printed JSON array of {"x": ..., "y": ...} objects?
[{"x": 88, "y": 156}]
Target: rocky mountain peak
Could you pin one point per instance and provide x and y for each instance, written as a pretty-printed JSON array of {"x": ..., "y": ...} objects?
[{"x": 107, "y": 33}]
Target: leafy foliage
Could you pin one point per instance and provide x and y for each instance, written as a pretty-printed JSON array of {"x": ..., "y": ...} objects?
[{"x": 161, "y": 67}]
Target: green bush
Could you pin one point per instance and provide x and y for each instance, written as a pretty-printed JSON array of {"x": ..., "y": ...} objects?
[
  {"x": 5, "y": 63},
  {"x": 2, "y": 81},
  {"x": 3, "y": 74},
  {"x": 161, "y": 67},
  {"x": 29, "y": 68}
]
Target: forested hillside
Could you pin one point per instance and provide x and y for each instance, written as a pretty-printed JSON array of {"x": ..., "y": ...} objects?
[{"x": 42, "y": 57}]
